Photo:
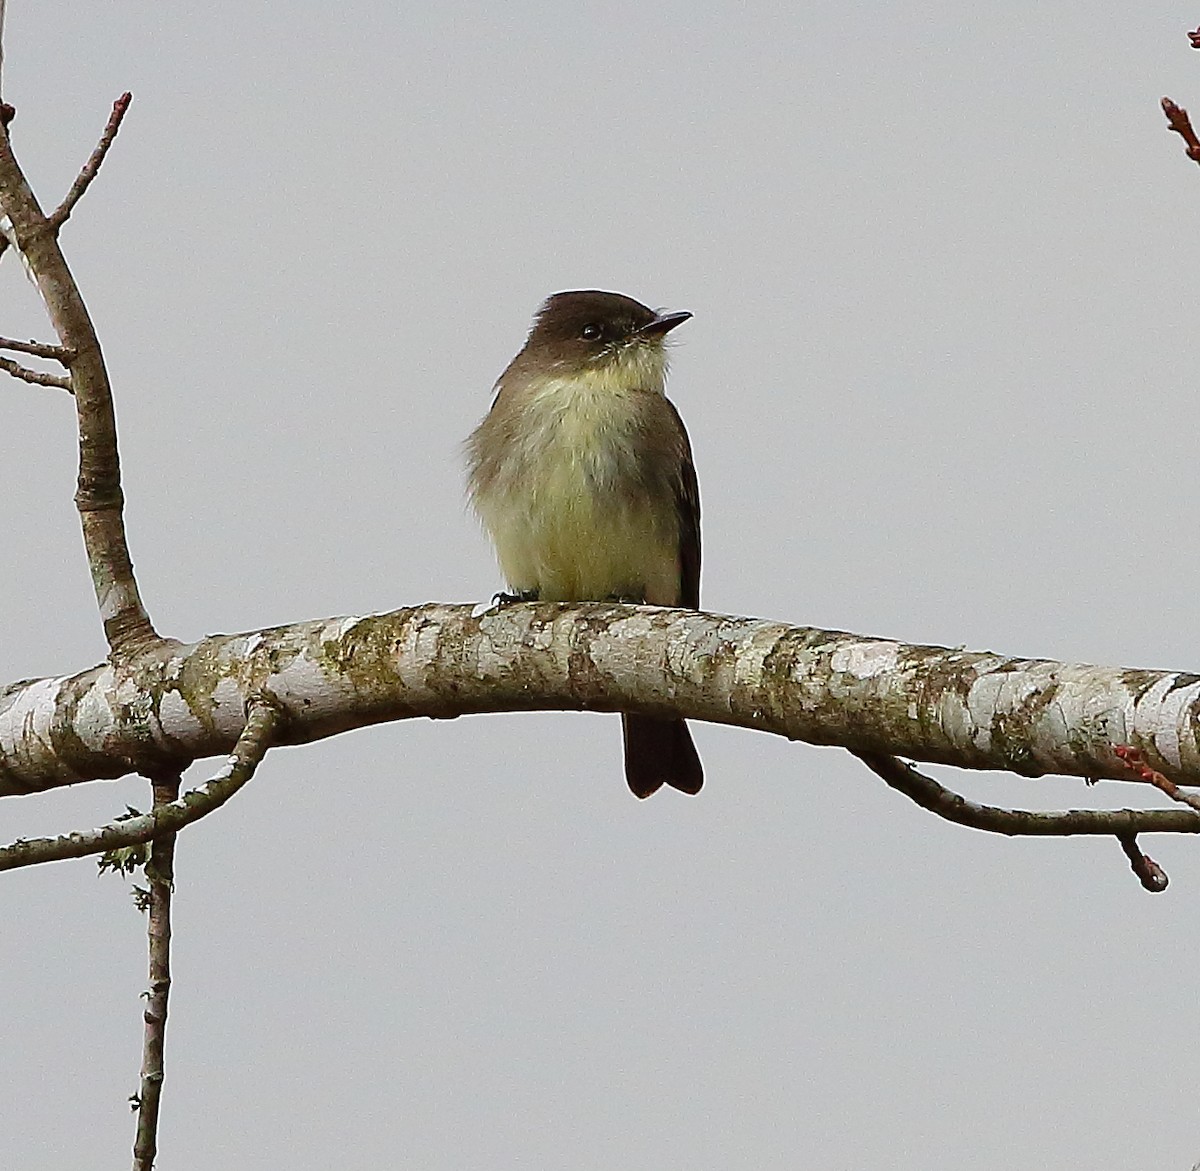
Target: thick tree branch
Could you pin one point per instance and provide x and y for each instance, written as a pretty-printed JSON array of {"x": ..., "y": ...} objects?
[
  {"x": 98, "y": 497},
  {"x": 876, "y": 697},
  {"x": 165, "y": 818},
  {"x": 36, "y": 377},
  {"x": 160, "y": 876}
]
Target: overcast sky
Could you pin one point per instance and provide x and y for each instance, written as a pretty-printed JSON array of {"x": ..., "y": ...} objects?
[{"x": 944, "y": 262}]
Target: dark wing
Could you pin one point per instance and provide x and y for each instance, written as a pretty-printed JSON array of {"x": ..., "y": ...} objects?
[{"x": 687, "y": 506}]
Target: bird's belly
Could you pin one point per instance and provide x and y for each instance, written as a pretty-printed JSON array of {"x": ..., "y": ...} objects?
[{"x": 576, "y": 531}]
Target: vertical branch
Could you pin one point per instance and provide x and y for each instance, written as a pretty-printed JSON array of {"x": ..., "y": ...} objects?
[
  {"x": 98, "y": 497},
  {"x": 160, "y": 874},
  {"x": 6, "y": 111}
]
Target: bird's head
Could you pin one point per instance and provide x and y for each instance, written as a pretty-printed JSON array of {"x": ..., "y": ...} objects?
[{"x": 604, "y": 336}]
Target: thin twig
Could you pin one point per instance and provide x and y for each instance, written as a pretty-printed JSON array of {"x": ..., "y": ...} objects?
[
  {"x": 935, "y": 797},
  {"x": 1178, "y": 120},
  {"x": 1123, "y": 823},
  {"x": 59, "y": 354},
  {"x": 249, "y": 750},
  {"x": 37, "y": 377},
  {"x": 1136, "y": 764},
  {"x": 83, "y": 180},
  {"x": 1150, "y": 874},
  {"x": 160, "y": 874}
]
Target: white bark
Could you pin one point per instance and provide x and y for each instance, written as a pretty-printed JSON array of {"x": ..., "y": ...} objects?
[{"x": 175, "y": 703}]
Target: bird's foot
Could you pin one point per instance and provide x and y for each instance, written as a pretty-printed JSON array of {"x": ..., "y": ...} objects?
[
  {"x": 499, "y": 601},
  {"x": 503, "y": 599}
]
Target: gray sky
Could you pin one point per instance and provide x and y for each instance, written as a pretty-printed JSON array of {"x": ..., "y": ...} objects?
[{"x": 944, "y": 262}]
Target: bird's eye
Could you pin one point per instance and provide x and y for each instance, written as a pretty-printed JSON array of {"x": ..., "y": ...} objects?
[{"x": 591, "y": 332}]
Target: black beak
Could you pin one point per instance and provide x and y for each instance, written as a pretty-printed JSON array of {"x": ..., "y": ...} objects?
[{"x": 662, "y": 323}]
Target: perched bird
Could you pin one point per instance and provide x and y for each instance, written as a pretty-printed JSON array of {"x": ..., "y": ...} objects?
[{"x": 582, "y": 474}]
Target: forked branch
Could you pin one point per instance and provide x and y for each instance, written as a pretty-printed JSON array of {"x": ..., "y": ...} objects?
[
  {"x": 166, "y": 818},
  {"x": 935, "y": 797},
  {"x": 1124, "y": 824},
  {"x": 98, "y": 496}
]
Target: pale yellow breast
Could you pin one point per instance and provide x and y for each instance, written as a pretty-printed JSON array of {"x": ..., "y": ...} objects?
[{"x": 567, "y": 517}]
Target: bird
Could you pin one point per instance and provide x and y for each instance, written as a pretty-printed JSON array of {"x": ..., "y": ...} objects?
[{"x": 583, "y": 477}]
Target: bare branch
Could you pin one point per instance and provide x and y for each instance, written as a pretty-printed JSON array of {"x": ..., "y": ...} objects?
[
  {"x": 160, "y": 874},
  {"x": 168, "y": 818},
  {"x": 935, "y": 797},
  {"x": 58, "y": 354},
  {"x": 98, "y": 496},
  {"x": 1178, "y": 120},
  {"x": 1137, "y": 764},
  {"x": 83, "y": 180},
  {"x": 37, "y": 377},
  {"x": 1150, "y": 874}
]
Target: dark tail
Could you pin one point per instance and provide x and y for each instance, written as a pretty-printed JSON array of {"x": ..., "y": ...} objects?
[{"x": 660, "y": 752}]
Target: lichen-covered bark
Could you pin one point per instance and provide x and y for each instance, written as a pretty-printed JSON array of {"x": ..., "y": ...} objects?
[{"x": 174, "y": 703}]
